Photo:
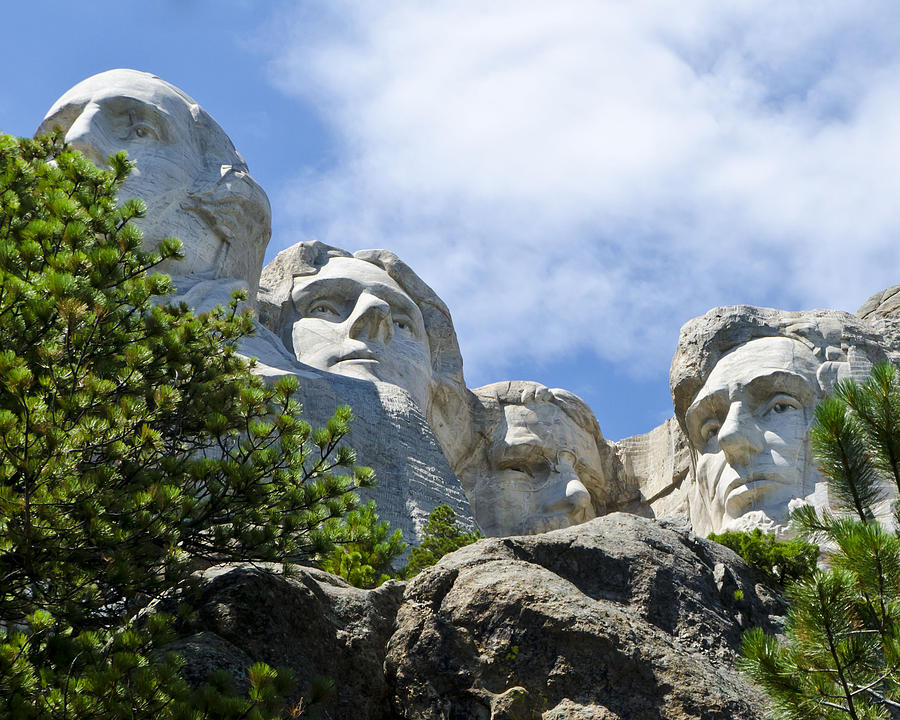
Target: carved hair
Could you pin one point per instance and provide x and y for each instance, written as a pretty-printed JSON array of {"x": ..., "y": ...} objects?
[
  {"x": 524, "y": 392},
  {"x": 840, "y": 341}
]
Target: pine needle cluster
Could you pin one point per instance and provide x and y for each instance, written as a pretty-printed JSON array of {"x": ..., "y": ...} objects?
[
  {"x": 135, "y": 446},
  {"x": 841, "y": 653},
  {"x": 442, "y": 535}
]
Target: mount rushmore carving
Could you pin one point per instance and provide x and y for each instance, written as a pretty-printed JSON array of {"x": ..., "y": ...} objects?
[{"x": 512, "y": 457}]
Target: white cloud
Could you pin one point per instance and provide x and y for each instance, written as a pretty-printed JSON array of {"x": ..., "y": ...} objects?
[{"x": 585, "y": 176}]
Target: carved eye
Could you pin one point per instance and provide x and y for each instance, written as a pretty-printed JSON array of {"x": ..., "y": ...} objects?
[
  {"x": 782, "y": 403},
  {"x": 142, "y": 131},
  {"x": 323, "y": 310},
  {"x": 401, "y": 324}
]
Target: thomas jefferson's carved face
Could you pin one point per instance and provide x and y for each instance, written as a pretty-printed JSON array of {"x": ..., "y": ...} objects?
[
  {"x": 145, "y": 116},
  {"x": 539, "y": 464},
  {"x": 355, "y": 320},
  {"x": 749, "y": 427}
]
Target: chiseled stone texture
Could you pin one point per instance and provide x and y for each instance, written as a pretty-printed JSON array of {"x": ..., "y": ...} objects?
[
  {"x": 389, "y": 433},
  {"x": 657, "y": 463},
  {"x": 881, "y": 312},
  {"x": 617, "y": 618}
]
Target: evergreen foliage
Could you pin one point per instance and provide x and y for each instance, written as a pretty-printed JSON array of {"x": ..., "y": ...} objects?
[
  {"x": 841, "y": 656},
  {"x": 134, "y": 444},
  {"x": 785, "y": 562},
  {"x": 442, "y": 536},
  {"x": 365, "y": 556}
]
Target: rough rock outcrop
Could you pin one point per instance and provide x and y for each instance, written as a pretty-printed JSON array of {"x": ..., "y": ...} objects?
[
  {"x": 309, "y": 621},
  {"x": 620, "y": 617},
  {"x": 881, "y": 312},
  {"x": 616, "y": 618}
]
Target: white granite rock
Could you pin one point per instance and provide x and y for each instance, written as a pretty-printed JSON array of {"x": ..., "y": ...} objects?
[
  {"x": 881, "y": 313},
  {"x": 369, "y": 316},
  {"x": 745, "y": 382},
  {"x": 196, "y": 185},
  {"x": 538, "y": 460},
  {"x": 655, "y": 465}
]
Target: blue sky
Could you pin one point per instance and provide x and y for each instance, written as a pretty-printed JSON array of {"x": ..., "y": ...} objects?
[{"x": 575, "y": 179}]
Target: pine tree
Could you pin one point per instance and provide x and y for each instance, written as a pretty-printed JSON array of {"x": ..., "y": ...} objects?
[
  {"x": 369, "y": 548},
  {"x": 841, "y": 656},
  {"x": 134, "y": 444},
  {"x": 442, "y": 536}
]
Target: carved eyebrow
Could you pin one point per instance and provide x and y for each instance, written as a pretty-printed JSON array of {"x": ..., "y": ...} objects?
[
  {"x": 323, "y": 287},
  {"x": 140, "y": 111},
  {"x": 710, "y": 405},
  {"x": 789, "y": 383}
]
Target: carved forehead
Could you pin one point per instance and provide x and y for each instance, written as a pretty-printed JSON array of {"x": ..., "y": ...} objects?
[
  {"x": 546, "y": 425},
  {"x": 759, "y": 358},
  {"x": 133, "y": 84},
  {"x": 349, "y": 275}
]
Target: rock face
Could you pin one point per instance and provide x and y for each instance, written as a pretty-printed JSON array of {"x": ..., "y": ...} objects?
[
  {"x": 311, "y": 622},
  {"x": 881, "y": 313},
  {"x": 617, "y": 618},
  {"x": 657, "y": 464},
  {"x": 745, "y": 382},
  {"x": 538, "y": 461}
]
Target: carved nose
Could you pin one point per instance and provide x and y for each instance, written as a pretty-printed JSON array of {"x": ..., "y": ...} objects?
[
  {"x": 740, "y": 437},
  {"x": 371, "y": 319},
  {"x": 85, "y": 136},
  {"x": 568, "y": 494}
]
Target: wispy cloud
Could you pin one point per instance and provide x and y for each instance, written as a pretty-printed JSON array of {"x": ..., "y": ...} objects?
[{"x": 586, "y": 176}]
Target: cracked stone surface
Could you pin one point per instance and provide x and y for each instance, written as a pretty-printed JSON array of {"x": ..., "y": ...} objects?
[{"x": 618, "y": 618}]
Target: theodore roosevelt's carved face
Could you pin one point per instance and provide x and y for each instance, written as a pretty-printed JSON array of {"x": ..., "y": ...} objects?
[
  {"x": 354, "y": 319},
  {"x": 158, "y": 127},
  {"x": 539, "y": 464},
  {"x": 749, "y": 426}
]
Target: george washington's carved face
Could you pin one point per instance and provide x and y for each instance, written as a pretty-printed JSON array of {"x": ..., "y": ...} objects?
[
  {"x": 186, "y": 170},
  {"x": 748, "y": 426},
  {"x": 353, "y": 319}
]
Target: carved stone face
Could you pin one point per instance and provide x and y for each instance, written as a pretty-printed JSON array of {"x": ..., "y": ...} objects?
[
  {"x": 539, "y": 464},
  {"x": 355, "y": 320},
  {"x": 749, "y": 426},
  {"x": 145, "y": 116}
]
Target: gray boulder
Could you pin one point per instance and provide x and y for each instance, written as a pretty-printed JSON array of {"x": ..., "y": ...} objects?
[{"x": 618, "y": 618}]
